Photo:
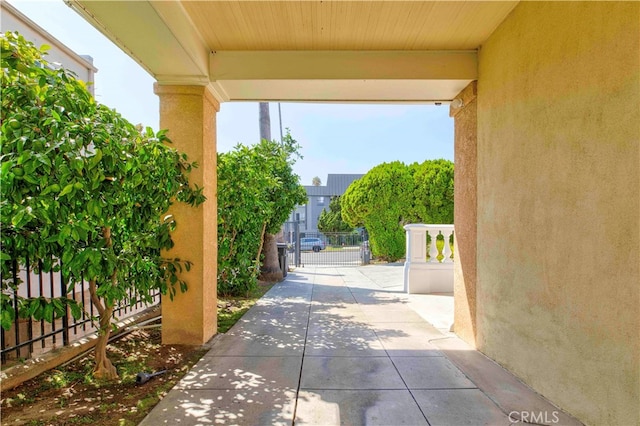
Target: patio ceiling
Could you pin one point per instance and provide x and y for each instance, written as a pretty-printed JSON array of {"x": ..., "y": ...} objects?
[{"x": 417, "y": 51}]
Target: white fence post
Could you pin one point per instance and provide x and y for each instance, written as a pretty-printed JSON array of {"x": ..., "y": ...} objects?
[{"x": 416, "y": 256}]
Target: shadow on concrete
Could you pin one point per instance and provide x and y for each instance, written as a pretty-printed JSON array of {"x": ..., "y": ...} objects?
[{"x": 318, "y": 350}]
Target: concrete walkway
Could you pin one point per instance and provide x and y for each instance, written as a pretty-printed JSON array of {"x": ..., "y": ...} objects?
[{"x": 332, "y": 346}]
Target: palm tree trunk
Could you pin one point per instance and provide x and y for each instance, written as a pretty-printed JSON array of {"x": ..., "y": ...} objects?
[
  {"x": 265, "y": 121},
  {"x": 270, "y": 270}
]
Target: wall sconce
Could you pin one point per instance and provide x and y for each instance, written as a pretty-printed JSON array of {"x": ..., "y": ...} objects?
[{"x": 457, "y": 103}]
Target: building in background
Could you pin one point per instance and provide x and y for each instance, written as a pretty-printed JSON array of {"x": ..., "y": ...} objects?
[
  {"x": 82, "y": 66},
  {"x": 318, "y": 198}
]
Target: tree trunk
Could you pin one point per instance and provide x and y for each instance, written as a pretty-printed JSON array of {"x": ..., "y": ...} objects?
[
  {"x": 104, "y": 369},
  {"x": 271, "y": 266},
  {"x": 270, "y": 270},
  {"x": 264, "y": 226}
]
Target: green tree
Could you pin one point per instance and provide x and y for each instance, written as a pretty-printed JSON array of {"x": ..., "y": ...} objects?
[
  {"x": 433, "y": 192},
  {"x": 84, "y": 193},
  {"x": 391, "y": 195},
  {"x": 258, "y": 192},
  {"x": 331, "y": 220},
  {"x": 379, "y": 201}
]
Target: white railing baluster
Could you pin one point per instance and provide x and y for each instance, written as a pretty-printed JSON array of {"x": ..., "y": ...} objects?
[
  {"x": 433, "y": 247},
  {"x": 446, "y": 251},
  {"x": 422, "y": 275}
]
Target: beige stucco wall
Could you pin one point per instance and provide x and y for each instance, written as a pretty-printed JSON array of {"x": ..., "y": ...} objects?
[
  {"x": 558, "y": 284},
  {"x": 189, "y": 112},
  {"x": 465, "y": 212}
]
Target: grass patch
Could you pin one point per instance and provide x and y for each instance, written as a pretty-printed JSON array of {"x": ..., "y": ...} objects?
[{"x": 231, "y": 309}]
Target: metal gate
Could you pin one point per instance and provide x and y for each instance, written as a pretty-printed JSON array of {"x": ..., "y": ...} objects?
[{"x": 325, "y": 249}]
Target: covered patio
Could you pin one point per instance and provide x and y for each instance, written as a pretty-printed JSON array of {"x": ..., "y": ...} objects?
[{"x": 545, "y": 98}]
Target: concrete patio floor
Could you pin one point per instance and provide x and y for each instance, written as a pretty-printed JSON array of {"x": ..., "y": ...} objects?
[{"x": 345, "y": 346}]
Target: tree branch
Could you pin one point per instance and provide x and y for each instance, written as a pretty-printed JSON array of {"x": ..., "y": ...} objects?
[
  {"x": 264, "y": 228},
  {"x": 93, "y": 289}
]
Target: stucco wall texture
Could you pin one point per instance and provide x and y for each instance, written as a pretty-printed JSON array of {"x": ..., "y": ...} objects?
[
  {"x": 465, "y": 213},
  {"x": 190, "y": 113},
  {"x": 558, "y": 290}
]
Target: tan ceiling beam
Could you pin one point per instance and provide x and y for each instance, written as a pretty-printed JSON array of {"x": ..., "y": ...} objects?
[
  {"x": 178, "y": 22},
  {"x": 343, "y": 65},
  {"x": 396, "y": 91},
  {"x": 140, "y": 30}
]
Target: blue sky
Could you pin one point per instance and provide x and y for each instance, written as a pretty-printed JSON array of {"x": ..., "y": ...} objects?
[{"x": 335, "y": 138}]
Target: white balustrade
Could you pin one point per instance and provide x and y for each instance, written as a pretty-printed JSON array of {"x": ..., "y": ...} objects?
[
  {"x": 434, "y": 274},
  {"x": 443, "y": 255}
]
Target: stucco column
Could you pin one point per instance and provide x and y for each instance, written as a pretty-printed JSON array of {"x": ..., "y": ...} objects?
[
  {"x": 189, "y": 114},
  {"x": 464, "y": 111}
]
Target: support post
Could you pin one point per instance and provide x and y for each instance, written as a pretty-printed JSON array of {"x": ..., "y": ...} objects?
[
  {"x": 189, "y": 114},
  {"x": 464, "y": 111}
]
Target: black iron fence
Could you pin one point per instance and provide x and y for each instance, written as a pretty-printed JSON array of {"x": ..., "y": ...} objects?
[
  {"x": 28, "y": 338},
  {"x": 326, "y": 249}
]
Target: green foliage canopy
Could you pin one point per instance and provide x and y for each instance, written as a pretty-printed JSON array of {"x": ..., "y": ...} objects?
[
  {"x": 379, "y": 201},
  {"x": 393, "y": 194},
  {"x": 433, "y": 202},
  {"x": 257, "y": 190},
  {"x": 83, "y": 190},
  {"x": 331, "y": 220}
]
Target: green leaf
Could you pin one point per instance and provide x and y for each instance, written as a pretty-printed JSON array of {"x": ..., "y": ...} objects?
[
  {"x": 67, "y": 255},
  {"x": 67, "y": 190},
  {"x": 76, "y": 309},
  {"x": 17, "y": 218},
  {"x": 58, "y": 307},
  {"x": 52, "y": 238},
  {"x": 95, "y": 159},
  {"x": 51, "y": 188},
  {"x": 6, "y": 166},
  {"x": 65, "y": 231},
  {"x": 48, "y": 312},
  {"x": 7, "y": 317},
  {"x": 37, "y": 310},
  {"x": 82, "y": 233}
]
